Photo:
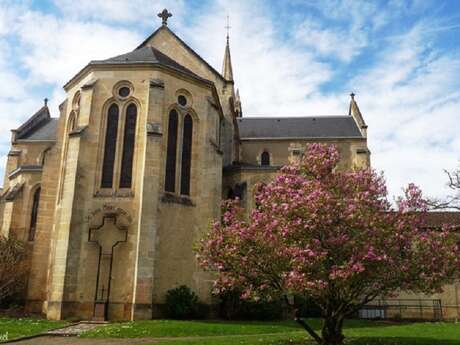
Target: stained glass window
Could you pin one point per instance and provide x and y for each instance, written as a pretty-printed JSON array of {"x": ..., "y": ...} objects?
[
  {"x": 128, "y": 147},
  {"x": 170, "y": 174},
  {"x": 186, "y": 155},
  {"x": 34, "y": 214},
  {"x": 265, "y": 158},
  {"x": 110, "y": 147}
]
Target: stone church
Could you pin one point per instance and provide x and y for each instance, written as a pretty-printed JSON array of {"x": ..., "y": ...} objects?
[{"x": 112, "y": 194}]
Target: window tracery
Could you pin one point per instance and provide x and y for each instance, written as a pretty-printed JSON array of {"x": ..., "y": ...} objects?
[{"x": 34, "y": 214}]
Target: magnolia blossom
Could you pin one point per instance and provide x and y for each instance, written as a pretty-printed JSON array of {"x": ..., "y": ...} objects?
[{"x": 331, "y": 235}]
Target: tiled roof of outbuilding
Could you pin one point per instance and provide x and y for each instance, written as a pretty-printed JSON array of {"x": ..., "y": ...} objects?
[
  {"x": 439, "y": 218},
  {"x": 298, "y": 127}
]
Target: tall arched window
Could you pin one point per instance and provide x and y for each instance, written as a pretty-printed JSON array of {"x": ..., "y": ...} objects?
[
  {"x": 265, "y": 158},
  {"x": 110, "y": 147},
  {"x": 128, "y": 147},
  {"x": 170, "y": 174},
  {"x": 186, "y": 155},
  {"x": 72, "y": 124},
  {"x": 34, "y": 214}
]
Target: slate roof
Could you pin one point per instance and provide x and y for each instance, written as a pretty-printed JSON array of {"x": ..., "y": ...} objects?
[
  {"x": 146, "y": 55},
  {"x": 46, "y": 132},
  {"x": 185, "y": 45},
  {"x": 298, "y": 127},
  {"x": 40, "y": 126}
]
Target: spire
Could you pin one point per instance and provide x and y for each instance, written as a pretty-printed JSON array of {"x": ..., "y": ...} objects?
[
  {"x": 238, "y": 109},
  {"x": 354, "y": 111},
  {"x": 227, "y": 70}
]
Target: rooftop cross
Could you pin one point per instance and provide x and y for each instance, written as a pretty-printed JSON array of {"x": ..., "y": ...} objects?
[
  {"x": 228, "y": 27},
  {"x": 164, "y": 15}
]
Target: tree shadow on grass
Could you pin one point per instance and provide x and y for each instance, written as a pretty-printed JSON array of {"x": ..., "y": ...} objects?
[
  {"x": 400, "y": 341},
  {"x": 360, "y": 323},
  {"x": 284, "y": 323}
]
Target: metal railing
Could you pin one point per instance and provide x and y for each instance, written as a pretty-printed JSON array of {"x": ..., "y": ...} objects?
[{"x": 424, "y": 309}]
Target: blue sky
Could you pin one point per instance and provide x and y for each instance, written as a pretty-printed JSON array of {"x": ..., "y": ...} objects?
[{"x": 298, "y": 57}]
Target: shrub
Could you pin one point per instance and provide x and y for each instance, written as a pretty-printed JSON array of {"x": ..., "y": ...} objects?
[
  {"x": 182, "y": 303},
  {"x": 307, "y": 307},
  {"x": 13, "y": 268},
  {"x": 232, "y": 307}
]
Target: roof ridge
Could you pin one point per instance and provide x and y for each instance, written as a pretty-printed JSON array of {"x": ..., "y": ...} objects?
[{"x": 256, "y": 117}]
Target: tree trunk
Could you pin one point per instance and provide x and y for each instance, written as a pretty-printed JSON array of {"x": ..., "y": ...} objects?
[{"x": 332, "y": 331}]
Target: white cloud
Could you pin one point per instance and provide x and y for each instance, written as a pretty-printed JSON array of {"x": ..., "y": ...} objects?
[
  {"x": 44, "y": 56},
  {"x": 327, "y": 42},
  {"x": 132, "y": 11},
  {"x": 58, "y": 49},
  {"x": 8, "y": 13},
  {"x": 410, "y": 99},
  {"x": 274, "y": 77}
]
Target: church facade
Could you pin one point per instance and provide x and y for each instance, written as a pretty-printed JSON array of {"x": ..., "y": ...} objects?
[{"x": 112, "y": 194}]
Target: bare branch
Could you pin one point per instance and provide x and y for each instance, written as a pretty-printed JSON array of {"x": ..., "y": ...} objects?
[
  {"x": 13, "y": 267},
  {"x": 451, "y": 202}
]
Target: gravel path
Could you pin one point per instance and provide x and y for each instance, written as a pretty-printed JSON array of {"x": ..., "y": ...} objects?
[
  {"x": 69, "y": 336},
  {"x": 76, "y": 329}
]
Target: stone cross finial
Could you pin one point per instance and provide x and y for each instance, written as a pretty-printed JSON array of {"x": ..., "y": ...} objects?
[{"x": 164, "y": 15}]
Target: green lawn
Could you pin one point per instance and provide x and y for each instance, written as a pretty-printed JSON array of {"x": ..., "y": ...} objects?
[
  {"x": 358, "y": 332},
  {"x": 16, "y": 328},
  {"x": 172, "y": 328},
  {"x": 168, "y": 332}
]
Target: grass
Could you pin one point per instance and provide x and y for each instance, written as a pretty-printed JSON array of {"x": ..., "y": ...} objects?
[
  {"x": 169, "y": 332},
  {"x": 295, "y": 338},
  {"x": 357, "y": 332},
  {"x": 423, "y": 333},
  {"x": 172, "y": 328},
  {"x": 16, "y": 328}
]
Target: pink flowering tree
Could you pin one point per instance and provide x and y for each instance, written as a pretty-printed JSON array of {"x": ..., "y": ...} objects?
[{"x": 331, "y": 235}]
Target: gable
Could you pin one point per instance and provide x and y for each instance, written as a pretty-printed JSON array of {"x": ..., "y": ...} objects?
[{"x": 171, "y": 45}]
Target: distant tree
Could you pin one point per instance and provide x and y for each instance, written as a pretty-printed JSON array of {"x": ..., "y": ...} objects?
[
  {"x": 13, "y": 267},
  {"x": 451, "y": 202},
  {"x": 330, "y": 235}
]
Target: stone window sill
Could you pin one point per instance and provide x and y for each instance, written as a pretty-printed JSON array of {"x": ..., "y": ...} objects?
[
  {"x": 114, "y": 194},
  {"x": 177, "y": 199}
]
